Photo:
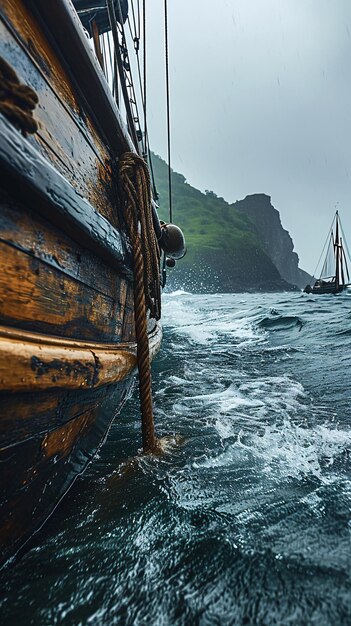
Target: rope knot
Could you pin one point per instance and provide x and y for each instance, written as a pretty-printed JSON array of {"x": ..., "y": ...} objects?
[{"x": 17, "y": 100}]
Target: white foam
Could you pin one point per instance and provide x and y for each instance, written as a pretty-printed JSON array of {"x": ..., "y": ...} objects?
[
  {"x": 261, "y": 398},
  {"x": 293, "y": 450},
  {"x": 202, "y": 327},
  {"x": 265, "y": 418},
  {"x": 178, "y": 292}
]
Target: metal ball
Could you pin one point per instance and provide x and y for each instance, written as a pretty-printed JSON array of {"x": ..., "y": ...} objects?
[{"x": 173, "y": 241}]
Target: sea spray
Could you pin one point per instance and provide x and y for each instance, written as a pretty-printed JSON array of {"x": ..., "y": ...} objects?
[{"x": 248, "y": 521}]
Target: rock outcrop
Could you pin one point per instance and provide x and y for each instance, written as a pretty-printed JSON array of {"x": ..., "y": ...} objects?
[
  {"x": 275, "y": 240},
  {"x": 231, "y": 247}
]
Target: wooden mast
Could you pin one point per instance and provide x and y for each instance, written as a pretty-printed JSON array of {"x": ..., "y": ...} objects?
[
  {"x": 97, "y": 47},
  {"x": 337, "y": 251}
]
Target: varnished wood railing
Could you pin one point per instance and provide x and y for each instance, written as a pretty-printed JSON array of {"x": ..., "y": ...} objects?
[{"x": 35, "y": 362}]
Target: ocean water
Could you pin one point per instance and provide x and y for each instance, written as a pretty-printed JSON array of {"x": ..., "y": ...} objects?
[{"x": 247, "y": 520}]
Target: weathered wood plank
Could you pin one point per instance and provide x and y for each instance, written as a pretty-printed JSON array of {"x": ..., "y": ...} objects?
[
  {"x": 128, "y": 327},
  {"x": 64, "y": 135},
  {"x": 25, "y": 230},
  {"x": 154, "y": 336},
  {"x": 37, "y": 297},
  {"x": 37, "y": 472},
  {"x": 39, "y": 463},
  {"x": 27, "y": 414},
  {"x": 31, "y": 38},
  {"x": 25, "y": 173},
  {"x": 42, "y": 367},
  {"x": 41, "y": 363},
  {"x": 84, "y": 69},
  {"x": 22, "y": 462},
  {"x": 59, "y": 395}
]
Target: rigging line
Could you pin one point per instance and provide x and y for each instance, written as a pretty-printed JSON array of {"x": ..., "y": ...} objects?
[
  {"x": 341, "y": 256},
  {"x": 140, "y": 81},
  {"x": 346, "y": 266},
  {"x": 128, "y": 72},
  {"x": 144, "y": 73},
  {"x": 325, "y": 267},
  {"x": 138, "y": 17},
  {"x": 104, "y": 55},
  {"x": 110, "y": 58},
  {"x": 344, "y": 240},
  {"x": 133, "y": 35},
  {"x": 154, "y": 188},
  {"x": 324, "y": 247},
  {"x": 136, "y": 31},
  {"x": 115, "y": 91},
  {"x": 136, "y": 48},
  {"x": 113, "y": 68},
  {"x": 113, "y": 24},
  {"x": 168, "y": 115},
  {"x": 128, "y": 79},
  {"x": 147, "y": 152}
]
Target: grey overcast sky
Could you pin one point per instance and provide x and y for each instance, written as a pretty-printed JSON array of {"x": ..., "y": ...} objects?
[{"x": 260, "y": 102}]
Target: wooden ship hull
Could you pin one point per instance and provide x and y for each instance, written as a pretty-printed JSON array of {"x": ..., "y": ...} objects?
[
  {"x": 327, "y": 288},
  {"x": 67, "y": 332}
]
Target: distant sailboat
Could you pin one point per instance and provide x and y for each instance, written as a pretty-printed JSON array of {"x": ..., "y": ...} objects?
[{"x": 334, "y": 277}]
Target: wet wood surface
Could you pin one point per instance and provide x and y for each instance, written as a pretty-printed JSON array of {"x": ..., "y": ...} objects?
[
  {"x": 66, "y": 289},
  {"x": 44, "y": 366},
  {"x": 22, "y": 228},
  {"x": 26, "y": 174},
  {"x": 39, "y": 362},
  {"x": 36, "y": 297},
  {"x": 48, "y": 435},
  {"x": 37, "y": 472},
  {"x": 66, "y": 134},
  {"x": 27, "y": 414},
  {"x": 83, "y": 68}
]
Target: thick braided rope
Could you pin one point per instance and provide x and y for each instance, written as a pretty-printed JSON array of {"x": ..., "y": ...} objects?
[
  {"x": 17, "y": 101},
  {"x": 135, "y": 186},
  {"x": 150, "y": 247}
]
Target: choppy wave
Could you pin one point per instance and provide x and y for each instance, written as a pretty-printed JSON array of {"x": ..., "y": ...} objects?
[
  {"x": 178, "y": 292},
  {"x": 248, "y": 521},
  {"x": 298, "y": 451},
  {"x": 281, "y": 322}
]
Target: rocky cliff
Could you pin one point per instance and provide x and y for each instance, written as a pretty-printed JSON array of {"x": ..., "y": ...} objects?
[
  {"x": 228, "y": 250},
  {"x": 275, "y": 240}
]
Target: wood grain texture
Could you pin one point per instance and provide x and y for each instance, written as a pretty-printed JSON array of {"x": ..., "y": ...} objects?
[
  {"x": 42, "y": 363},
  {"x": 37, "y": 297},
  {"x": 60, "y": 441},
  {"x": 83, "y": 67},
  {"x": 27, "y": 176},
  {"x": 65, "y": 135},
  {"x": 37, "y": 472},
  {"x": 25, "y": 230},
  {"x": 42, "y": 367},
  {"x": 26, "y": 414},
  {"x": 66, "y": 303}
]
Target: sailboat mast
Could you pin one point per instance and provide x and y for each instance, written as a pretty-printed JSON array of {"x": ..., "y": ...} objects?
[
  {"x": 341, "y": 255},
  {"x": 337, "y": 250}
]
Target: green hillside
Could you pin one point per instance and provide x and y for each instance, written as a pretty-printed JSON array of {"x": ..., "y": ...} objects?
[
  {"x": 203, "y": 216},
  {"x": 224, "y": 253}
]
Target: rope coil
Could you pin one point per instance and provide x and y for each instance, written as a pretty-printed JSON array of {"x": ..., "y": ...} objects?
[
  {"x": 17, "y": 101},
  {"x": 135, "y": 188}
]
